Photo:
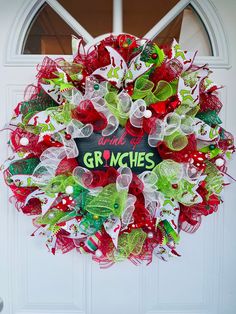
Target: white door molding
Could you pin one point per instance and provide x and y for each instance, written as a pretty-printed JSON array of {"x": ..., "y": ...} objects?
[
  {"x": 205, "y": 9},
  {"x": 20, "y": 28}
]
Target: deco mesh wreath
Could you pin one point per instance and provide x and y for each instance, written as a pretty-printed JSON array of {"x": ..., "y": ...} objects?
[{"x": 119, "y": 150}]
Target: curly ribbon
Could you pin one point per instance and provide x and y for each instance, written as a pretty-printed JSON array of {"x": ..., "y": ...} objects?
[
  {"x": 119, "y": 105},
  {"x": 129, "y": 243},
  {"x": 127, "y": 215},
  {"x": 173, "y": 130},
  {"x": 49, "y": 161},
  {"x": 152, "y": 198},
  {"x": 75, "y": 129},
  {"x": 172, "y": 182},
  {"x": 94, "y": 93},
  {"x": 143, "y": 90}
]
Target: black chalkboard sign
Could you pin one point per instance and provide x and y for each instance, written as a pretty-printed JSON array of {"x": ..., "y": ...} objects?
[{"x": 117, "y": 150}]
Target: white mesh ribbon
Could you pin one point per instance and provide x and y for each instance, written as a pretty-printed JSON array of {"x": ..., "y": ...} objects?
[
  {"x": 172, "y": 122},
  {"x": 124, "y": 179},
  {"x": 152, "y": 197},
  {"x": 127, "y": 215},
  {"x": 137, "y": 111},
  {"x": 95, "y": 93},
  {"x": 46, "y": 169},
  {"x": 77, "y": 130},
  {"x": 85, "y": 177}
]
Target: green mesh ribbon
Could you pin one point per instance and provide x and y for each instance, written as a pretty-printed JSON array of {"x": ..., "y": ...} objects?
[
  {"x": 171, "y": 183},
  {"x": 143, "y": 89},
  {"x": 108, "y": 201},
  {"x": 130, "y": 243},
  {"x": 113, "y": 103},
  {"x": 23, "y": 166},
  {"x": 63, "y": 113},
  {"x": 176, "y": 141},
  {"x": 90, "y": 223},
  {"x": 40, "y": 103},
  {"x": 214, "y": 179},
  {"x": 59, "y": 183},
  {"x": 209, "y": 117},
  {"x": 51, "y": 218}
]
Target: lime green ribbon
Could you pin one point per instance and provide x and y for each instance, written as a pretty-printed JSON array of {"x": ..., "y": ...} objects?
[
  {"x": 90, "y": 223},
  {"x": 172, "y": 183},
  {"x": 108, "y": 201},
  {"x": 59, "y": 183},
  {"x": 130, "y": 243},
  {"x": 143, "y": 89},
  {"x": 214, "y": 179},
  {"x": 115, "y": 106}
]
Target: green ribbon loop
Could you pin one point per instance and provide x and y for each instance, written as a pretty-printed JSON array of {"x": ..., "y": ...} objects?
[
  {"x": 130, "y": 243},
  {"x": 108, "y": 201}
]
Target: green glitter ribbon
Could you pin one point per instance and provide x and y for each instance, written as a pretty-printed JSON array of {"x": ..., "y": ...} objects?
[
  {"x": 129, "y": 243},
  {"x": 108, "y": 201}
]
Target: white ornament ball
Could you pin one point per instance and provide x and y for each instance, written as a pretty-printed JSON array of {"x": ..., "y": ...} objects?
[
  {"x": 69, "y": 189},
  {"x": 80, "y": 76},
  {"x": 98, "y": 253},
  {"x": 147, "y": 114},
  {"x": 51, "y": 215},
  {"x": 219, "y": 162},
  {"x": 150, "y": 235},
  {"x": 193, "y": 170},
  {"x": 24, "y": 141}
]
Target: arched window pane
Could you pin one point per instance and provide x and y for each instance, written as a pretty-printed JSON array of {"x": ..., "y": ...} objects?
[
  {"x": 188, "y": 29},
  {"x": 94, "y": 16},
  {"x": 48, "y": 34},
  {"x": 140, "y": 16},
  {"x": 193, "y": 35}
]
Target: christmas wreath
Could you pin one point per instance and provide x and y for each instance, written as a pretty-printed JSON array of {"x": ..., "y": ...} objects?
[{"x": 119, "y": 150}]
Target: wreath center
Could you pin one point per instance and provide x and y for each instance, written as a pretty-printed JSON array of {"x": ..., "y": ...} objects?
[{"x": 117, "y": 150}]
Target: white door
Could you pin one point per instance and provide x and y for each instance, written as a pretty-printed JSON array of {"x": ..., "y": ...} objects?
[{"x": 34, "y": 281}]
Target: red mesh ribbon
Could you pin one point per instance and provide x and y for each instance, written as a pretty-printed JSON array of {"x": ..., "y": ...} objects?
[
  {"x": 179, "y": 156},
  {"x": 209, "y": 100},
  {"x": 86, "y": 113},
  {"x": 168, "y": 71}
]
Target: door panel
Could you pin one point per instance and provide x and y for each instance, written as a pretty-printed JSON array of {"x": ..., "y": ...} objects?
[{"x": 34, "y": 281}]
